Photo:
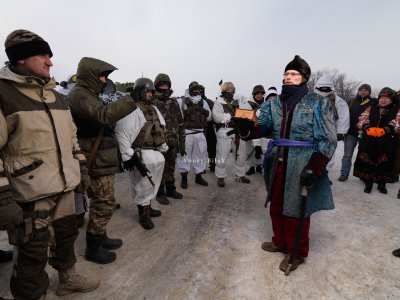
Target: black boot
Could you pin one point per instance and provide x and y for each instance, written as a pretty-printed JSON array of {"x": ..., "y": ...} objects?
[
  {"x": 6, "y": 256},
  {"x": 154, "y": 213},
  {"x": 111, "y": 244},
  {"x": 200, "y": 180},
  {"x": 368, "y": 187},
  {"x": 212, "y": 167},
  {"x": 251, "y": 171},
  {"x": 95, "y": 251},
  {"x": 259, "y": 169},
  {"x": 171, "y": 191},
  {"x": 80, "y": 220},
  {"x": 161, "y": 198},
  {"x": 382, "y": 187},
  {"x": 398, "y": 194},
  {"x": 144, "y": 217},
  {"x": 184, "y": 180}
]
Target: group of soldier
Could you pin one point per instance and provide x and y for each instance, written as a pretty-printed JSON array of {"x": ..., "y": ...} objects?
[{"x": 56, "y": 150}]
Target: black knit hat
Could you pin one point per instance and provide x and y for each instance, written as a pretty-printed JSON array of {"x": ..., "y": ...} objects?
[
  {"x": 365, "y": 86},
  {"x": 22, "y": 44},
  {"x": 300, "y": 65}
]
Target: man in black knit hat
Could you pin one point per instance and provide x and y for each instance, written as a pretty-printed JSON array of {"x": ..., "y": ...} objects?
[
  {"x": 39, "y": 169},
  {"x": 357, "y": 107}
]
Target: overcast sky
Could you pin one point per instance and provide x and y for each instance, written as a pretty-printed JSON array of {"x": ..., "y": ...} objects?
[{"x": 247, "y": 42}]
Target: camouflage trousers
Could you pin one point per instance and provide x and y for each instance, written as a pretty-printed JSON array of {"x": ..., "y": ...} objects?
[
  {"x": 102, "y": 204},
  {"x": 169, "y": 168}
]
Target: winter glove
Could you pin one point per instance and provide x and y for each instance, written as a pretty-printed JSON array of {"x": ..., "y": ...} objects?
[
  {"x": 340, "y": 137},
  {"x": 307, "y": 178},
  {"x": 243, "y": 127},
  {"x": 85, "y": 179},
  {"x": 182, "y": 149},
  {"x": 163, "y": 148},
  {"x": 257, "y": 152},
  {"x": 129, "y": 165},
  {"x": 10, "y": 212}
]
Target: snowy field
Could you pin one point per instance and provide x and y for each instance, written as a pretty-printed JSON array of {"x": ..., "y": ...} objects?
[{"x": 207, "y": 246}]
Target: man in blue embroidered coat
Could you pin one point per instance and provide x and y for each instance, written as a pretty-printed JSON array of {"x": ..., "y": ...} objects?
[{"x": 304, "y": 135}]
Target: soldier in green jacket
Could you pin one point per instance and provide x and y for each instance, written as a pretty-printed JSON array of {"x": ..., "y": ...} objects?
[
  {"x": 175, "y": 136},
  {"x": 95, "y": 121}
]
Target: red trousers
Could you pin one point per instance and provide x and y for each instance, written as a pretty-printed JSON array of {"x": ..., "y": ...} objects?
[{"x": 285, "y": 228}]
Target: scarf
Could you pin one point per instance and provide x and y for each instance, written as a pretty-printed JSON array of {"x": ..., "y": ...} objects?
[{"x": 292, "y": 93}]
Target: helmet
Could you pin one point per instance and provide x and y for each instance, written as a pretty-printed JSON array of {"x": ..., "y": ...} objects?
[
  {"x": 162, "y": 78},
  {"x": 258, "y": 89},
  {"x": 140, "y": 87}
]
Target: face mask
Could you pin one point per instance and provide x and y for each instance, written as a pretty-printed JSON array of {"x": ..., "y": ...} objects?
[
  {"x": 228, "y": 95},
  {"x": 195, "y": 99},
  {"x": 323, "y": 94}
]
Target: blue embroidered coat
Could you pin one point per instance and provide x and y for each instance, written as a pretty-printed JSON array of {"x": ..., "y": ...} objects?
[{"x": 312, "y": 120}]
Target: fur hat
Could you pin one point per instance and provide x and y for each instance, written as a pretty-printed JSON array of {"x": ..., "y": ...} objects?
[
  {"x": 258, "y": 89},
  {"x": 227, "y": 85},
  {"x": 300, "y": 65},
  {"x": 22, "y": 44},
  {"x": 388, "y": 92},
  {"x": 365, "y": 86},
  {"x": 194, "y": 85}
]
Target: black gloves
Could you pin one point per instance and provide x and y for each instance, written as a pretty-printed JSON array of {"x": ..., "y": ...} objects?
[
  {"x": 85, "y": 179},
  {"x": 10, "y": 212},
  {"x": 340, "y": 137},
  {"x": 129, "y": 165},
  {"x": 257, "y": 152},
  {"x": 307, "y": 178},
  {"x": 243, "y": 126},
  {"x": 182, "y": 149}
]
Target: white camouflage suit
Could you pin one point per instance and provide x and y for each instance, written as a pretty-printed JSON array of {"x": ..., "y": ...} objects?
[
  {"x": 126, "y": 131},
  {"x": 251, "y": 159},
  {"x": 225, "y": 143},
  {"x": 342, "y": 109},
  {"x": 195, "y": 144}
]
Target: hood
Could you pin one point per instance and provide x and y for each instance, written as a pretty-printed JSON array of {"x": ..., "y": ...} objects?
[
  {"x": 25, "y": 81},
  {"x": 325, "y": 80},
  {"x": 88, "y": 73}
]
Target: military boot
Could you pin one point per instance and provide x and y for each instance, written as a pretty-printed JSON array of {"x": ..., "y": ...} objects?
[
  {"x": 171, "y": 191},
  {"x": 154, "y": 213},
  {"x": 184, "y": 184},
  {"x": 111, "y": 244},
  {"x": 144, "y": 217},
  {"x": 200, "y": 180},
  {"x": 95, "y": 251},
  {"x": 161, "y": 198},
  {"x": 6, "y": 256},
  {"x": 71, "y": 282},
  {"x": 251, "y": 171},
  {"x": 259, "y": 168}
]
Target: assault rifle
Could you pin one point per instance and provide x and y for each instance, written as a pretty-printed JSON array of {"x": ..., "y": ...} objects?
[
  {"x": 135, "y": 161},
  {"x": 142, "y": 168}
]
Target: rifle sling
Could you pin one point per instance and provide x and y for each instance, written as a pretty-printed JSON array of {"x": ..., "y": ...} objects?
[{"x": 94, "y": 149}]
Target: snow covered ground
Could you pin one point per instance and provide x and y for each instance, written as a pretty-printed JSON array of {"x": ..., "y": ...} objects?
[{"x": 207, "y": 246}]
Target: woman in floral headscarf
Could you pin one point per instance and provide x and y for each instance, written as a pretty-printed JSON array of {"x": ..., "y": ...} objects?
[{"x": 377, "y": 148}]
